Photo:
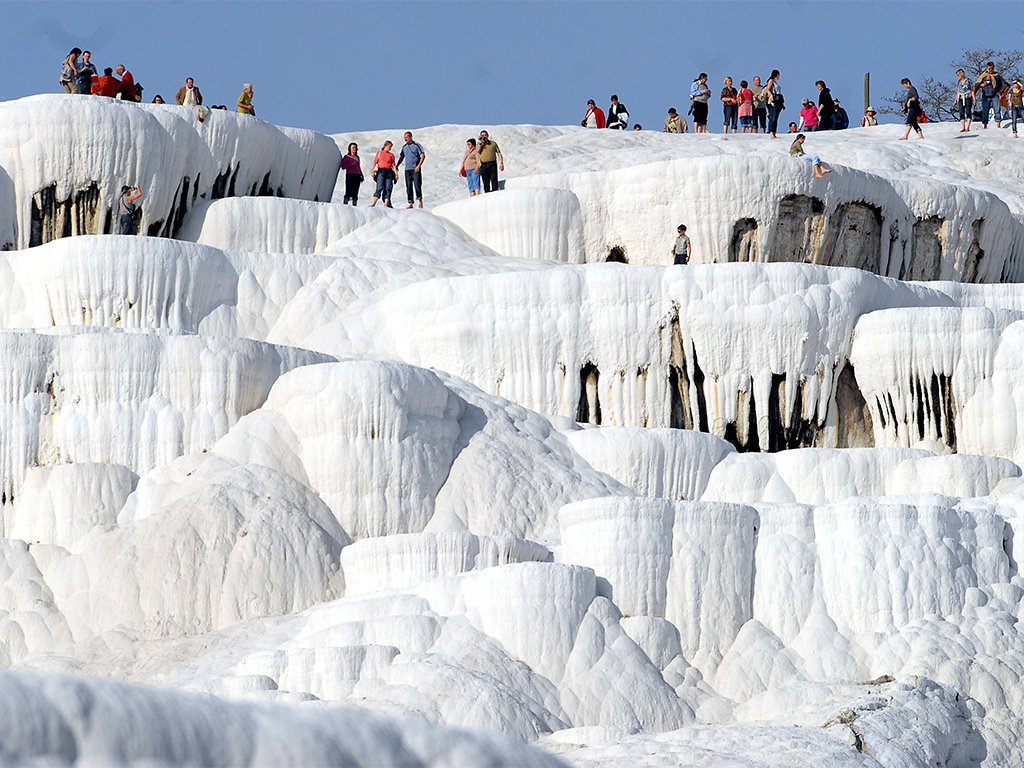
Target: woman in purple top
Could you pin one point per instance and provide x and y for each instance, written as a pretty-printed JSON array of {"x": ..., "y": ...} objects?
[{"x": 353, "y": 173}]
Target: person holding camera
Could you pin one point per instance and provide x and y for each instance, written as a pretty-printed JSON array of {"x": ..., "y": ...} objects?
[{"x": 127, "y": 208}]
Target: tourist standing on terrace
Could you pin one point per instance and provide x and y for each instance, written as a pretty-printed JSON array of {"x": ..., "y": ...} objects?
[
  {"x": 594, "y": 117},
  {"x": 189, "y": 94},
  {"x": 618, "y": 115},
  {"x": 471, "y": 167},
  {"x": 699, "y": 95},
  {"x": 491, "y": 160},
  {"x": 963, "y": 100},
  {"x": 412, "y": 155},
  {"x": 745, "y": 108},
  {"x": 729, "y": 105},
  {"x": 989, "y": 83},
  {"x": 384, "y": 174},
  {"x": 869, "y": 118},
  {"x": 774, "y": 101},
  {"x": 245, "y": 101},
  {"x": 353, "y": 173},
  {"x": 86, "y": 73},
  {"x": 760, "y": 108},
  {"x": 69, "y": 71},
  {"x": 1015, "y": 100},
  {"x": 128, "y": 92},
  {"x": 826, "y": 106}
]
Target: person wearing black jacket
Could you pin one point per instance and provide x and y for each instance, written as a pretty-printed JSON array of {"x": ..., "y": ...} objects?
[
  {"x": 618, "y": 115},
  {"x": 826, "y": 109},
  {"x": 841, "y": 120}
]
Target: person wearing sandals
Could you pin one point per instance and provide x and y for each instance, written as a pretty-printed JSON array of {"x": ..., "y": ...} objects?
[
  {"x": 384, "y": 174},
  {"x": 963, "y": 100},
  {"x": 470, "y": 167}
]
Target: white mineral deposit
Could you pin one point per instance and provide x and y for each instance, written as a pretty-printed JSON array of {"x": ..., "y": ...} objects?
[{"x": 284, "y": 481}]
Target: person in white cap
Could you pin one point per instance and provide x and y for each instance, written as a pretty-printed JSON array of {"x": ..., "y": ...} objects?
[{"x": 869, "y": 118}]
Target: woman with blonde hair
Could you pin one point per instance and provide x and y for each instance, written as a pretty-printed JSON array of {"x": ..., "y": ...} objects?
[{"x": 963, "y": 101}]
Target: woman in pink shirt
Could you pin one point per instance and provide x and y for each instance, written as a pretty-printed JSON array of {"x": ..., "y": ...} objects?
[
  {"x": 809, "y": 116},
  {"x": 745, "y": 102},
  {"x": 384, "y": 173}
]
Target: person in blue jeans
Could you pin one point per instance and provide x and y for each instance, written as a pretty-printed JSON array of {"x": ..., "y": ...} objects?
[
  {"x": 1015, "y": 98},
  {"x": 413, "y": 156},
  {"x": 773, "y": 97},
  {"x": 989, "y": 84}
]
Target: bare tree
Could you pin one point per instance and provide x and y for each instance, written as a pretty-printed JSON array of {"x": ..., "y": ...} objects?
[{"x": 937, "y": 95}]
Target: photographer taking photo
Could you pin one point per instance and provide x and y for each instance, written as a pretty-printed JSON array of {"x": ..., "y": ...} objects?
[{"x": 129, "y": 211}]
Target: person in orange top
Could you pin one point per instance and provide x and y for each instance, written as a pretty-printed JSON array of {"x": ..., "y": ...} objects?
[
  {"x": 384, "y": 167},
  {"x": 127, "y": 84},
  {"x": 108, "y": 84}
]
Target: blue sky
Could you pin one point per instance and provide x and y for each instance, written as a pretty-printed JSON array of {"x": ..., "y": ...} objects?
[{"x": 342, "y": 66}]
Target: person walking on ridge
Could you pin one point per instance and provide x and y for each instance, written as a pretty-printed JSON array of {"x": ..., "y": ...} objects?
[
  {"x": 491, "y": 160},
  {"x": 911, "y": 108},
  {"x": 412, "y": 155},
  {"x": 990, "y": 84}
]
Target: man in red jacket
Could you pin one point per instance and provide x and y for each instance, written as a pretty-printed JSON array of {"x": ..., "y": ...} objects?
[
  {"x": 127, "y": 84},
  {"x": 594, "y": 117},
  {"x": 109, "y": 85}
]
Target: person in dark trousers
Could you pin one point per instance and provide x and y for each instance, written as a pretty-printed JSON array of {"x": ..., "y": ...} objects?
[
  {"x": 681, "y": 249},
  {"x": 128, "y": 209},
  {"x": 491, "y": 160},
  {"x": 412, "y": 155},
  {"x": 699, "y": 95},
  {"x": 911, "y": 108},
  {"x": 841, "y": 119},
  {"x": 86, "y": 73},
  {"x": 353, "y": 173},
  {"x": 618, "y": 115},
  {"x": 826, "y": 107}
]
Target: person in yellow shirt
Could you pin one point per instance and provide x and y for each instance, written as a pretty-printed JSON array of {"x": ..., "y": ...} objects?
[{"x": 245, "y": 101}]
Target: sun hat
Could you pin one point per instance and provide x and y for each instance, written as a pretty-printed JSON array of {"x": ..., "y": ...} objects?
[{"x": 871, "y": 110}]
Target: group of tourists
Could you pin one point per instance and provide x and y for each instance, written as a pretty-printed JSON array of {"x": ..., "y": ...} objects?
[
  {"x": 1004, "y": 101},
  {"x": 480, "y": 165},
  {"x": 756, "y": 107},
  {"x": 78, "y": 74}
]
